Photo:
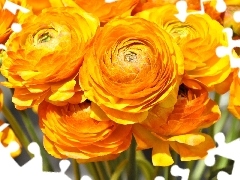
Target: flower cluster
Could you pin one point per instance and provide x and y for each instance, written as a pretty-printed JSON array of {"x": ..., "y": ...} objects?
[{"x": 101, "y": 73}]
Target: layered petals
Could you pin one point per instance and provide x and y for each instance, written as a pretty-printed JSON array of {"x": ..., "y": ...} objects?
[
  {"x": 131, "y": 66},
  {"x": 107, "y": 10},
  {"x": 181, "y": 129},
  {"x": 198, "y": 37},
  {"x": 194, "y": 110},
  {"x": 5, "y": 24},
  {"x": 41, "y": 61},
  {"x": 70, "y": 132}
]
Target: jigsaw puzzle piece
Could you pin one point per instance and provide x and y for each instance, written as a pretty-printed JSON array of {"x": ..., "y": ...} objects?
[
  {"x": 177, "y": 171},
  {"x": 182, "y": 9}
]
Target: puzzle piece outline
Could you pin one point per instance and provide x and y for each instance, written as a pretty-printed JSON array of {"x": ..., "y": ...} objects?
[
  {"x": 182, "y": 8},
  {"x": 31, "y": 169}
]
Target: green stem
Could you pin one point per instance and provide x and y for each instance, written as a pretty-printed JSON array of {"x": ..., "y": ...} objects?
[
  {"x": 104, "y": 170},
  {"x": 217, "y": 98},
  {"x": 31, "y": 131},
  {"x": 76, "y": 169},
  {"x": 190, "y": 164},
  {"x": 131, "y": 174},
  {"x": 119, "y": 169},
  {"x": 166, "y": 172},
  {"x": 28, "y": 124},
  {"x": 17, "y": 129},
  {"x": 218, "y": 127},
  {"x": 197, "y": 172},
  {"x": 156, "y": 171},
  {"x": 108, "y": 168},
  {"x": 92, "y": 170},
  {"x": 100, "y": 171}
]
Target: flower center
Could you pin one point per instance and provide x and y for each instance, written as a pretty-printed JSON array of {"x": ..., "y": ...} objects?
[
  {"x": 180, "y": 31},
  {"x": 183, "y": 91},
  {"x": 45, "y": 37},
  {"x": 130, "y": 56}
]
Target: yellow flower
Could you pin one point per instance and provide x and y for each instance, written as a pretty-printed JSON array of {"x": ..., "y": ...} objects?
[
  {"x": 70, "y": 132},
  {"x": 106, "y": 11},
  {"x": 43, "y": 60},
  {"x": 5, "y": 23},
  {"x": 179, "y": 130},
  {"x": 232, "y": 2},
  {"x": 38, "y": 6},
  {"x": 198, "y": 37},
  {"x": 131, "y": 66}
]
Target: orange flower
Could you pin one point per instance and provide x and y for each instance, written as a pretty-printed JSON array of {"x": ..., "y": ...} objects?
[
  {"x": 181, "y": 129},
  {"x": 234, "y": 99},
  {"x": 43, "y": 60},
  {"x": 103, "y": 9},
  {"x": 209, "y": 6},
  {"x": 198, "y": 37},
  {"x": 7, "y": 18},
  {"x": 131, "y": 66},
  {"x": 38, "y": 6},
  {"x": 70, "y": 132},
  {"x": 107, "y": 10},
  {"x": 5, "y": 23}
]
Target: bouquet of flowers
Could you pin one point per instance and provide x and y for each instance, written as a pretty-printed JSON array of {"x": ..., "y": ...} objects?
[{"x": 109, "y": 80}]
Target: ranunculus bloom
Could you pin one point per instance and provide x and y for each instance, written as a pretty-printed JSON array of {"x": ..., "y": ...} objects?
[
  {"x": 198, "y": 37},
  {"x": 70, "y": 132},
  {"x": 131, "y": 66},
  {"x": 43, "y": 60},
  {"x": 234, "y": 99},
  {"x": 105, "y": 11},
  {"x": 181, "y": 129}
]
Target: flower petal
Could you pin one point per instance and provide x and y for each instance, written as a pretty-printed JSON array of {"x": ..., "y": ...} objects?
[{"x": 188, "y": 152}]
